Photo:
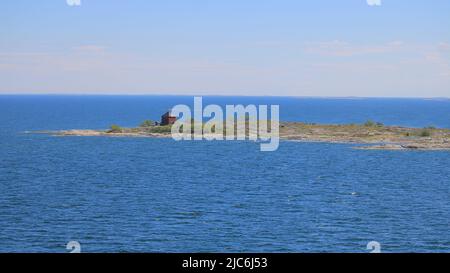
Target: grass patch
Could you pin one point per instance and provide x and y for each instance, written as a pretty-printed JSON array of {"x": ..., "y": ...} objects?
[{"x": 161, "y": 129}]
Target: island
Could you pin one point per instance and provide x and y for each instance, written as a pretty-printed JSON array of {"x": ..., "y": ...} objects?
[{"x": 373, "y": 135}]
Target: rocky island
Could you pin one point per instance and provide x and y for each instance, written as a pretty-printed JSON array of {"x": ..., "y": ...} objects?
[{"x": 376, "y": 136}]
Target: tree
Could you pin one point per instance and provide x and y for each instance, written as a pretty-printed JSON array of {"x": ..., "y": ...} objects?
[
  {"x": 147, "y": 123},
  {"x": 115, "y": 129}
]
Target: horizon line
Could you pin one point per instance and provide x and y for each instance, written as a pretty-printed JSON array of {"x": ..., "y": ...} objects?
[{"x": 215, "y": 95}]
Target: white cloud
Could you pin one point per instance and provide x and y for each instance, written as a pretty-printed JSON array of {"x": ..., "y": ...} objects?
[
  {"x": 374, "y": 2},
  {"x": 73, "y": 2}
]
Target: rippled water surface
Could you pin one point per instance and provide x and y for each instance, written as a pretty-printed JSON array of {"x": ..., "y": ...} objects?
[{"x": 158, "y": 195}]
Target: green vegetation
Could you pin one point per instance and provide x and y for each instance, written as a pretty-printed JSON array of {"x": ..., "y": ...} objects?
[
  {"x": 161, "y": 129},
  {"x": 147, "y": 123},
  {"x": 369, "y": 131},
  {"x": 425, "y": 133},
  {"x": 371, "y": 123},
  {"x": 389, "y": 137},
  {"x": 115, "y": 129}
]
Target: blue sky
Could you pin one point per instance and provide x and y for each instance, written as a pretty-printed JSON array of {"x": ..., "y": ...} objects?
[{"x": 226, "y": 47}]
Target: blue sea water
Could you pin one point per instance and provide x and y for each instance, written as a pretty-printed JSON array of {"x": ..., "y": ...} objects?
[{"x": 158, "y": 195}]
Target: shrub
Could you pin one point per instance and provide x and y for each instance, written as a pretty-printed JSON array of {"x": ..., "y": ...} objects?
[
  {"x": 115, "y": 129},
  {"x": 161, "y": 129},
  {"x": 369, "y": 123},
  {"x": 425, "y": 133},
  {"x": 147, "y": 123}
]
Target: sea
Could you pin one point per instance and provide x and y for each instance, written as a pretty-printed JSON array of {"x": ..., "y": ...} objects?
[{"x": 112, "y": 194}]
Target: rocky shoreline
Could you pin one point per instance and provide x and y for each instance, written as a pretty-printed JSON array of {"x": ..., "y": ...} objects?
[
  {"x": 106, "y": 133},
  {"x": 373, "y": 136}
]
